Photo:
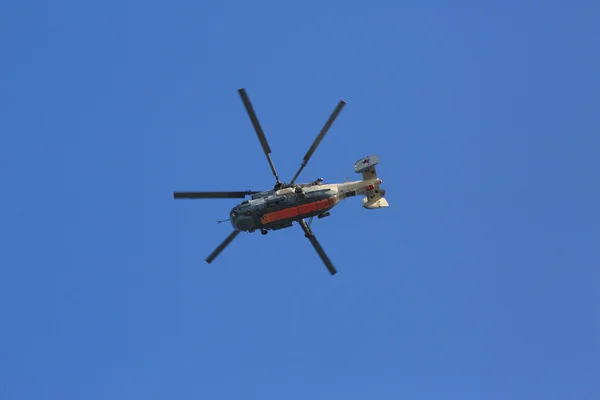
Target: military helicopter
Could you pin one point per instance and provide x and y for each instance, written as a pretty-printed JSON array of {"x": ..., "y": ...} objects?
[{"x": 286, "y": 203}]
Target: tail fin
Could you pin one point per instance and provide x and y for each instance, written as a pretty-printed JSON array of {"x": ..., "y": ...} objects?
[
  {"x": 378, "y": 202},
  {"x": 374, "y": 195},
  {"x": 366, "y": 167}
]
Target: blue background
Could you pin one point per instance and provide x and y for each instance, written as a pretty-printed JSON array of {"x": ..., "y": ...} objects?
[{"x": 479, "y": 282}]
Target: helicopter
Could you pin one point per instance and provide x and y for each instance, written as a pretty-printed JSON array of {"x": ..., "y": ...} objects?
[{"x": 289, "y": 202}]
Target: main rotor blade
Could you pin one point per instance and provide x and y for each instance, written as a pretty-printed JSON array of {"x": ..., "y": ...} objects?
[
  {"x": 320, "y": 137},
  {"x": 222, "y": 246},
  {"x": 313, "y": 240},
  {"x": 212, "y": 195},
  {"x": 259, "y": 132}
]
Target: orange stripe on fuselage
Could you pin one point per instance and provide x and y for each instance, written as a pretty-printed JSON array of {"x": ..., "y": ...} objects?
[{"x": 297, "y": 211}]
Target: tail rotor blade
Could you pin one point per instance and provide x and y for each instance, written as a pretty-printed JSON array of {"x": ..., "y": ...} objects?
[
  {"x": 320, "y": 137},
  {"x": 222, "y": 246},
  {"x": 259, "y": 131},
  {"x": 313, "y": 240}
]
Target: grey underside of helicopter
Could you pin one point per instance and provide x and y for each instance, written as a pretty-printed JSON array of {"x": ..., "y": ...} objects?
[{"x": 247, "y": 216}]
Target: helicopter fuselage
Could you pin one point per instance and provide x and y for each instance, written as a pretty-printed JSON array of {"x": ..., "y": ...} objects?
[
  {"x": 289, "y": 202},
  {"x": 278, "y": 209}
]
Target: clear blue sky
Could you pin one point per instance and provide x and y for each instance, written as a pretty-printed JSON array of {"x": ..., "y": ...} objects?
[{"x": 479, "y": 282}]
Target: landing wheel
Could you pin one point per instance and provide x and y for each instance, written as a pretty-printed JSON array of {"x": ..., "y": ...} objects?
[{"x": 264, "y": 231}]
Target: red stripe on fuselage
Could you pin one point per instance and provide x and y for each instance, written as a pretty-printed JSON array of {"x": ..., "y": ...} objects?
[{"x": 298, "y": 211}]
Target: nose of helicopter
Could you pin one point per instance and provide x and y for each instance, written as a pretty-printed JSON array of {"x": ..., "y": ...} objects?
[
  {"x": 240, "y": 222},
  {"x": 233, "y": 217}
]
